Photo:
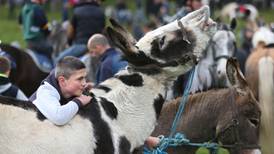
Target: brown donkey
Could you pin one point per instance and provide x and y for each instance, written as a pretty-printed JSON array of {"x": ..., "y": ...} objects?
[{"x": 228, "y": 116}]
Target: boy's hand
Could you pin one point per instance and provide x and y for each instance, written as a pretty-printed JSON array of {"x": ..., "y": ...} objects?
[
  {"x": 89, "y": 85},
  {"x": 152, "y": 142},
  {"x": 84, "y": 99}
]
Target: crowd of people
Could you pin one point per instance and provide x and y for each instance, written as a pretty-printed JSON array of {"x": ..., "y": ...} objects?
[
  {"x": 64, "y": 87},
  {"x": 61, "y": 93}
]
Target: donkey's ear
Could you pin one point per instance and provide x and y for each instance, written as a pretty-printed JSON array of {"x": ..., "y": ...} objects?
[
  {"x": 233, "y": 24},
  {"x": 123, "y": 31},
  {"x": 120, "y": 41},
  {"x": 235, "y": 75}
]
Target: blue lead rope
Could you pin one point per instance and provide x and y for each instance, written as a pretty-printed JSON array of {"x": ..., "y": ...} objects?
[
  {"x": 182, "y": 104},
  {"x": 180, "y": 139}
]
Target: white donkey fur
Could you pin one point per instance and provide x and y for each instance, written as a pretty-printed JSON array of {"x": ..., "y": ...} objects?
[
  {"x": 194, "y": 20},
  {"x": 21, "y": 131},
  {"x": 263, "y": 35},
  {"x": 25, "y": 134},
  {"x": 266, "y": 90}
]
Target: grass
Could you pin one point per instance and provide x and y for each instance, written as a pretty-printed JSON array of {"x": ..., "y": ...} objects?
[{"x": 10, "y": 29}]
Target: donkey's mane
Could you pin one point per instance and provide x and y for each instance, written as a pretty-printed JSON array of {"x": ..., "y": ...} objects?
[
  {"x": 18, "y": 103},
  {"x": 202, "y": 99}
]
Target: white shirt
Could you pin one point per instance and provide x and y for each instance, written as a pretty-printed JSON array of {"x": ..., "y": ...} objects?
[{"x": 48, "y": 103}]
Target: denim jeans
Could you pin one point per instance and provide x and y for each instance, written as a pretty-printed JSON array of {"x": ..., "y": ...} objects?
[
  {"x": 76, "y": 50},
  {"x": 40, "y": 46}
]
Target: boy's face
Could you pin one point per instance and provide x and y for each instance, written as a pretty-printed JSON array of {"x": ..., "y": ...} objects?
[{"x": 75, "y": 84}]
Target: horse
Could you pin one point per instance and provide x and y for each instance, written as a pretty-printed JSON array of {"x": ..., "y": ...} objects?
[
  {"x": 228, "y": 116},
  {"x": 58, "y": 37},
  {"x": 123, "y": 109},
  {"x": 244, "y": 11},
  {"x": 27, "y": 75},
  {"x": 210, "y": 72},
  {"x": 259, "y": 75},
  {"x": 31, "y": 70}
]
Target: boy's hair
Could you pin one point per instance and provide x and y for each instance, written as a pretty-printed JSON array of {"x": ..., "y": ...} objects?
[
  {"x": 4, "y": 65},
  {"x": 67, "y": 66}
]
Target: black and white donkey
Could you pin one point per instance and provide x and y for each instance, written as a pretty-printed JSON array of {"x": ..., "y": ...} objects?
[{"x": 125, "y": 108}]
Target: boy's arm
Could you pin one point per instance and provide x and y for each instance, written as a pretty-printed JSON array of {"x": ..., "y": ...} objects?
[{"x": 47, "y": 102}]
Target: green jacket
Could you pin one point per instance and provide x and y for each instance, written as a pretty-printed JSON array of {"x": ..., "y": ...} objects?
[{"x": 33, "y": 19}]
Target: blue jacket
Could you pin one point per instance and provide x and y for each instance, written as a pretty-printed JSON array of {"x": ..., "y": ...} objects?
[
  {"x": 88, "y": 18},
  {"x": 110, "y": 64}
]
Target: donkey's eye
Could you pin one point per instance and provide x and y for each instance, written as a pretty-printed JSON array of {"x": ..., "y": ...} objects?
[
  {"x": 162, "y": 41},
  {"x": 254, "y": 121}
]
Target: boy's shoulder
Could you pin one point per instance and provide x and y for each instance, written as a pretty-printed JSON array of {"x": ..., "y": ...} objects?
[{"x": 47, "y": 88}]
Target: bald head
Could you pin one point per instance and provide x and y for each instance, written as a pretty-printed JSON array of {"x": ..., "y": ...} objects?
[
  {"x": 97, "y": 44},
  {"x": 97, "y": 39}
]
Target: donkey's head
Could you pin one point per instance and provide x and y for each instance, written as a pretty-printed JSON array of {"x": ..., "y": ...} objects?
[
  {"x": 223, "y": 46},
  {"x": 238, "y": 127},
  {"x": 171, "y": 49}
]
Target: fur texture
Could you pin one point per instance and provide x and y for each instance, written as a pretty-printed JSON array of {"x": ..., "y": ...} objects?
[
  {"x": 124, "y": 109},
  {"x": 266, "y": 90}
]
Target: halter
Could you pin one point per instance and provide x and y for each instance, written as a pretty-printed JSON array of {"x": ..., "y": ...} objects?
[
  {"x": 216, "y": 58},
  {"x": 233, "y": 125}
]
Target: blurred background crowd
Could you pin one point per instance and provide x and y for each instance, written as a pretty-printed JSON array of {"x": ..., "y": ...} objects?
[
  {"x": 71, "y": 25},
  {"x": 142, "y": 15}
]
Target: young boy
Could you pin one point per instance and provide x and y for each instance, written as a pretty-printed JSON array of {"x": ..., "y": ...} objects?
[
  {"x": 6, "y": 87},
  {"x": 59, "y": 97}
]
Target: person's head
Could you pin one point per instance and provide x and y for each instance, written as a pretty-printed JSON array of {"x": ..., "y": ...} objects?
[
  {"x": 151, "y": 25},
  {"x": 5, "y": 66},
  {"x": 39, "y": 1},
  {"x": 195, "y": 4},
  {"x": 97, "y": 44},
  {"x": 71, "y": 75},
  {"x": 84, "y": 1}
]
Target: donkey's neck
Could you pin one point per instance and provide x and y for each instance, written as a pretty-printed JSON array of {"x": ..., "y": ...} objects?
[
  {"x": 200, "y": 116},
  {"x": 203, "y": 114},
  {"x": 137, "y": 104},
  {"x": 155, "y": 73},
  {"x": 209, "y": 55}
]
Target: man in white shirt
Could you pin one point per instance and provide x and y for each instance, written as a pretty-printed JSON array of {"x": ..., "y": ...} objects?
[{"x": 59, "y": 97}]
